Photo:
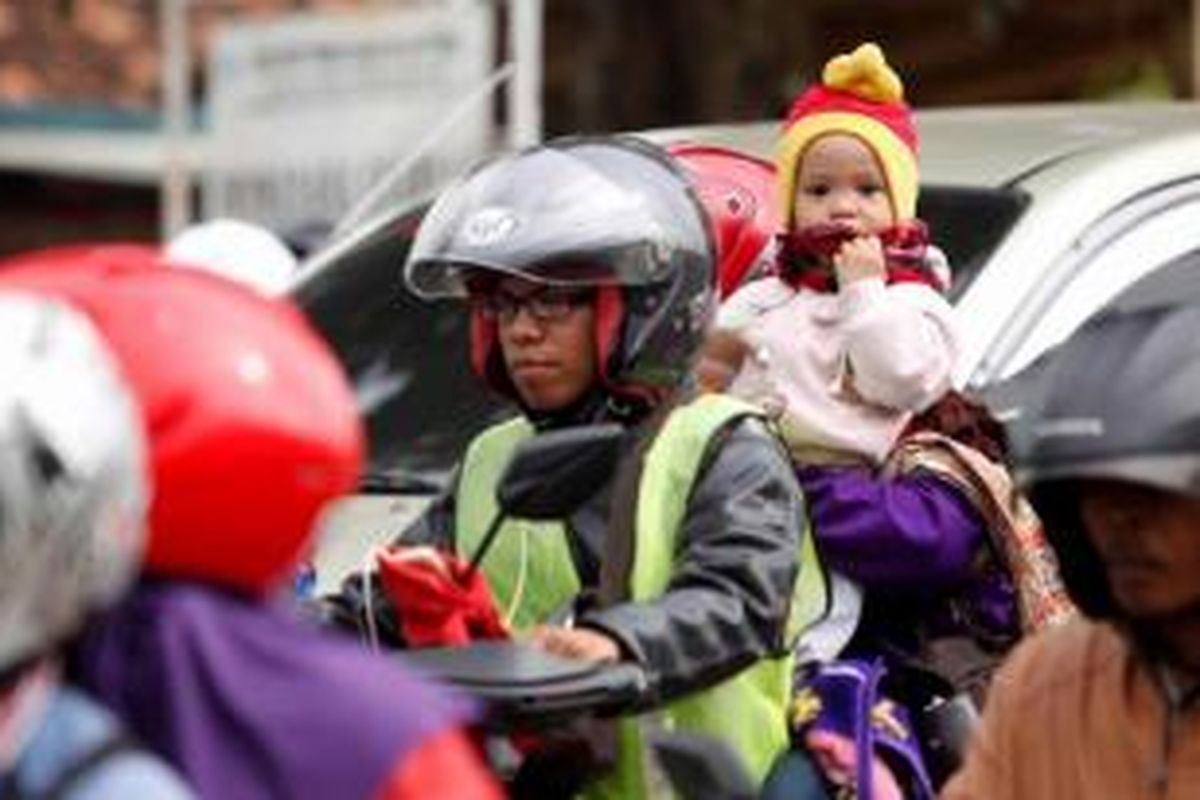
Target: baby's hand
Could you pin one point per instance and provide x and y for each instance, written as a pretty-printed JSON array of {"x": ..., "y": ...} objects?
[{"x": 859, "y": 258}]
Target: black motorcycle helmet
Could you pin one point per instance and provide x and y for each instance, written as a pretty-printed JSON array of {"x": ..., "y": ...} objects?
[
  {"x": 614, "y": 213},
  {"x": 1120, "y": 400}
]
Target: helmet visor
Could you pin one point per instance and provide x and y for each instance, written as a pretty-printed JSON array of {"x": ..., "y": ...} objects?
[
  {"x": 1172, "y": 472},
  {"x": 580, "y": 212}
]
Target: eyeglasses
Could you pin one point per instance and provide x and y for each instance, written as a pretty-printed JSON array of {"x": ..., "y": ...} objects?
[{"x": 547, "y": 305}]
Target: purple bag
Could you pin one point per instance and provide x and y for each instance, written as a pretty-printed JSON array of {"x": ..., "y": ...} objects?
[{"x": 844, "y": 697}]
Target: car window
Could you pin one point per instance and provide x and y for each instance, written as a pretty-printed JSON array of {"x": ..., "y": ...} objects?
[
  {"x": 968, "y": 224},
  {"x": 407, "y": 358},
  {"x": 1110, "y": 260},
  {"x": 1174, "y": 284}
]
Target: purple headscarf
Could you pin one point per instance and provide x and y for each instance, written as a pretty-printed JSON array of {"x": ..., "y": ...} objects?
[{"x": 248, "y": 702}]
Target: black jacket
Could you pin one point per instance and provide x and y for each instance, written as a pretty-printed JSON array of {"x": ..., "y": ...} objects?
[{"x": 728, "y": 600}]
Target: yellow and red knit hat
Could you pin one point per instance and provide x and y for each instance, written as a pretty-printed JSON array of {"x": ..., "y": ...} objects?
[{"x": 861, "y": 96}]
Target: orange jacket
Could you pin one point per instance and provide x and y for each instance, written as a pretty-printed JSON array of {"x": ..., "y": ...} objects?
[{"x": 1074, "y": 715}]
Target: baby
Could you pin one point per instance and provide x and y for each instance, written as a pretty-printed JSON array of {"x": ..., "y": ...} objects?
[{"x": 851, "y": 335}]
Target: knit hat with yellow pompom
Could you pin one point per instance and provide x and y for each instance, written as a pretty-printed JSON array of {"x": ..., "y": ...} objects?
[{"x": 861, "y": 96}]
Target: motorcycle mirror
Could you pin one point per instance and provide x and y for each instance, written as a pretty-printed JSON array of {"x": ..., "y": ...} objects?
[{"x": 552, "y": 473}]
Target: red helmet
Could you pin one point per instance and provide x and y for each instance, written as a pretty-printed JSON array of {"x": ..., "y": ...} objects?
[
  {"x": 738, "y": 192},
  {"x": 251, "y": 423}
]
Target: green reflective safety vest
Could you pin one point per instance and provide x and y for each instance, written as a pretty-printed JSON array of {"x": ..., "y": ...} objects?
[{"x": 532, "y": 574}]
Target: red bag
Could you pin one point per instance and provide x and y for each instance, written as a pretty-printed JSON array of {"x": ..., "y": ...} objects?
[{"x": 438, "y": 600}]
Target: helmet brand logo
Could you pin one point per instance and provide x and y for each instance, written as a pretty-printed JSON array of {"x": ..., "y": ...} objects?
[
  {"x": 1069, "y": 427},
  {"x": 490, "y": 226}
]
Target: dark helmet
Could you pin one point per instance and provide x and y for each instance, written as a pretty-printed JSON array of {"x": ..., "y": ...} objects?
[
  {"x": 614, "y": 213},
  {"x": 1121, "y": 401}
]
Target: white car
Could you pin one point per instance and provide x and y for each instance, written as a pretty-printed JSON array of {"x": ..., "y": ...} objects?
[{"x": 1046, "y": 213}]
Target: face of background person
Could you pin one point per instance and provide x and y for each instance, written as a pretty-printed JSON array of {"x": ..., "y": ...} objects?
[
  {"x": 840, "y": 181},
  {"x": 1149, "y": 541},
  {"x": 551, "y": 361}
]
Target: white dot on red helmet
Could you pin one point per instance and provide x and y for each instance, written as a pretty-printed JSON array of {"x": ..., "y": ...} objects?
[{"x": 253, "y": 369}]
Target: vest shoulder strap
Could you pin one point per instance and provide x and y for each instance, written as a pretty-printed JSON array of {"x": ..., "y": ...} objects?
[{"x": 669, "y": 470}]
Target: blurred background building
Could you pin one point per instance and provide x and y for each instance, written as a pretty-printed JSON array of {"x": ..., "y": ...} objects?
[{"x": 83, "y": 154}]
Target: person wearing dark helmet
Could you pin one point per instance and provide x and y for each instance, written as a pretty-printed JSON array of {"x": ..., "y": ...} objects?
[
  {"x": 589, "y": 272},
  {"x": 1109, "y": 706},
  {"x": 251, "y": 431}
]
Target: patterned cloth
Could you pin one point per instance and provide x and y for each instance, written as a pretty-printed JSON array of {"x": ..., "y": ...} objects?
[
  {"x": 844, "y": 698},
  {"x": 1016, "y": 532}
]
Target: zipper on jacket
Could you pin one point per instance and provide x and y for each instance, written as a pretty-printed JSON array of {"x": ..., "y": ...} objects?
[{"x": 1177, "y": 701}]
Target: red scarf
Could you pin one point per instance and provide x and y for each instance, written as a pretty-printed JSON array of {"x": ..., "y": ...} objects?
[{"x": 804, "y": 255}]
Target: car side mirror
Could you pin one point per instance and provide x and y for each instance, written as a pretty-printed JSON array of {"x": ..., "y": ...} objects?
[{"x": 551, "y": 474}]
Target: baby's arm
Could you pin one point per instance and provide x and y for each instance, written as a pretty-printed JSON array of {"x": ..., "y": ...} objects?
[
  {"x": 721, "y": 359},
  {"x": 725, "y": 348},
  {"x": 902, "y": 343}
]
